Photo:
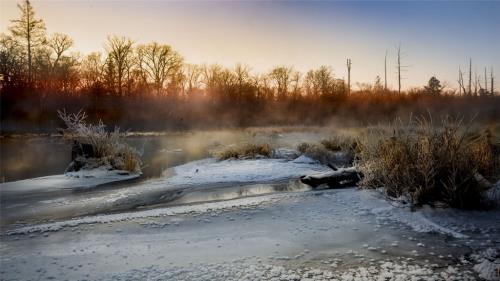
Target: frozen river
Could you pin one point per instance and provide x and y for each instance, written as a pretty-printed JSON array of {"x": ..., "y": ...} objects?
[
  {"x": 237, "y": 220},
  {"x": 289, "y": 235}
]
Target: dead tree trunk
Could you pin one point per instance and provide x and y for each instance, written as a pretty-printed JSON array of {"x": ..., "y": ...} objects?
[
  {"x": 470, "y": 77},
  {"x": 399, "y": 69},
  {"x": 485, "y": 81},
  {"x": 337, "y": 178},
  {"x": 349, "y": 76},
  {"x": 385, "y": 71},
  {"x": 476, "y": 80},
  {"x": 491, "y": 82},
  {"x": 461, "y": 87}
]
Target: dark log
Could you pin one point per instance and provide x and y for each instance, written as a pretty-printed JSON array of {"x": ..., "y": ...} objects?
[
  {"x": 82, "y": 149},
  {"x": 339, "y": 178},
  {"x": 79, "y": 151}
]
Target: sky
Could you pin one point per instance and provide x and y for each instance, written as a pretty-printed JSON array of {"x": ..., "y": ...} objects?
[{"x": 436, "y": 37}]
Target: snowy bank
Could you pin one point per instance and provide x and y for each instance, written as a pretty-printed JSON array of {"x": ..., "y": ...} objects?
[
  {"x": 70, "y": 181},
  {"x": 210, "y": 171},
  {"x": 171, "y": 211}
]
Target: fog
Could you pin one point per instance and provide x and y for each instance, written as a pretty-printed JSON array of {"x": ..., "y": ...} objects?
[{"x": 26, "y": 156}]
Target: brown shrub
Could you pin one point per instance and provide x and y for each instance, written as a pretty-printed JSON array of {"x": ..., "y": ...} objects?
[
  {"x": 428, "y": 163},
  {"x": 247, "y": 150}
]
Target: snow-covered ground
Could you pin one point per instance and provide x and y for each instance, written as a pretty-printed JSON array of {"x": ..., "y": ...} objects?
[
  {"x": 226, "y": 221},
  {"x": 319, "y": 235},
  {"x": 210, "y": 171},
  {"x": 197, "y": 175},
  {"x": 69, "y": 181}
]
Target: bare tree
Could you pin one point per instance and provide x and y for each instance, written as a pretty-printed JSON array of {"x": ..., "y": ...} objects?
[
  {"x": 470, "y": 77},
  {"x": 492, "y": 82},
  {"x": 281, "y": 77},
  {"x": 349, "y": 64},
  {"x": 158, "y": 63},
  {"x": 242, "y": 73},
  {"x": 59, "y": 43},
  {"x": 12, "y": 60},
  {"x": 119, "y": 58},
  {"x": 400, "y": 67},
  {"x": 295, "y": 83},
  {"x": 461, "y": 85},
  {"x": 211, "y": 76},
  {"x": 192, "y": 74},
  {"x": 476, "y": 81},
  {"x": 485, "y": 80},
  {"x": 31, "y": 30},
  {"x": 91, "y": 69},
  {"x": 385, "y": 71}
]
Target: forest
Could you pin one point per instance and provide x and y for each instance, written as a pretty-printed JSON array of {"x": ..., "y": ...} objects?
[{"x": 150, "y": 87}]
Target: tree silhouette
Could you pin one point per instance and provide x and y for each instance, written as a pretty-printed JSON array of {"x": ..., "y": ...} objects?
[
  {"x": 119, "y": 59},
  {"x": 281, "y": 77},
  {"x": 434, "y": 86},
  {"x": 30, "y": 30},
  {"x": 59, "y": 43},
  {"x": 158, "y": 63},
  {"x": 12, "y": 61}
]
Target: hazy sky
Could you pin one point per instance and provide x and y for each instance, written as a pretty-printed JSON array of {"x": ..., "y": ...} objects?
[{"x": 436, "y": 37}]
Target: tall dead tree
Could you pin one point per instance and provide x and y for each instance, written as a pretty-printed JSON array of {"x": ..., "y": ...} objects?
[
  {"x": 470, "y": 77},
  {"x": 461, "y": 86},
  {"x": 385, "y": 71},
  {"x": 491, "y": 82},
  {"x": 349, "y": 63},
  {"x": 476, "y": 81},
  {"x": 400, "y": 67},
  {"x": 485, "y": 80}
]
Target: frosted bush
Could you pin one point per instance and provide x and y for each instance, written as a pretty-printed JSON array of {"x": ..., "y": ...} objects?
[{"x": 108, "y": 149}]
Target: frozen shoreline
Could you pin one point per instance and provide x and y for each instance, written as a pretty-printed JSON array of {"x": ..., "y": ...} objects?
[
  {"x": 343, "y": 234},
  {"x": 329, "y": 233},
  {"x": 70, "y": 181}
]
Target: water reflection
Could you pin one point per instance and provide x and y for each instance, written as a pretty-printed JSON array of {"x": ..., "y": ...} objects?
[{"x": 29, "y": 157}]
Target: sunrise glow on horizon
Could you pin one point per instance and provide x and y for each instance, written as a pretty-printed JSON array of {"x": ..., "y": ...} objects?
[{"x": 300, "y": 34}]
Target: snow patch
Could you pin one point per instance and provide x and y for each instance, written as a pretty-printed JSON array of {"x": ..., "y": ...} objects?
[
  {"x": 487, "y": 264},
  {"x": 72, "y": 180},
  {"x": 210, "y": 171},
  {"x": 244, "y": 270},
  {"x": 493, "y": 193},
  {"x": 302, "y": 159},
  {"x": 422, "y": 220},
  {"x": 170, "y": 211},
  {"x": 285, "y": 153}
]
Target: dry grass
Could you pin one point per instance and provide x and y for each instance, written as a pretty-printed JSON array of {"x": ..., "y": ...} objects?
[
  {"x": 341, "y": 143},
  {"x": 244, "y": 151},
  {"x": 339, "y": 149},
  {"x": 107, "y": 147},
  {"x": 428, "y": 163},
  {"x": 317, "y": 152}
]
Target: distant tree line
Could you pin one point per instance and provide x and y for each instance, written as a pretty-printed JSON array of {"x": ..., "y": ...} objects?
[{"x": 131, "y": 83}]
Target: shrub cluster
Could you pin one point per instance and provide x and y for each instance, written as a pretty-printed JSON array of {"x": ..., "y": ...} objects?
[
  {"x": 244, "y": 151},
  {"x": 339, "y": 149},
  {"x": 108, "y": 149},
  {"x": 428, "y": 163}
]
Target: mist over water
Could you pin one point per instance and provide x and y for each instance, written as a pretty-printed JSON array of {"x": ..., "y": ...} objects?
[{"x": 29, "y": 157}]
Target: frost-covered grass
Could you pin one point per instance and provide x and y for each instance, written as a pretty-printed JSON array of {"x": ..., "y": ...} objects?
[
  {"x": 328, "y": 150},
  {"x": 429, "y": 163},
  {"x": 244, "y": 151},
  {"x": 108, "y": 149}
]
